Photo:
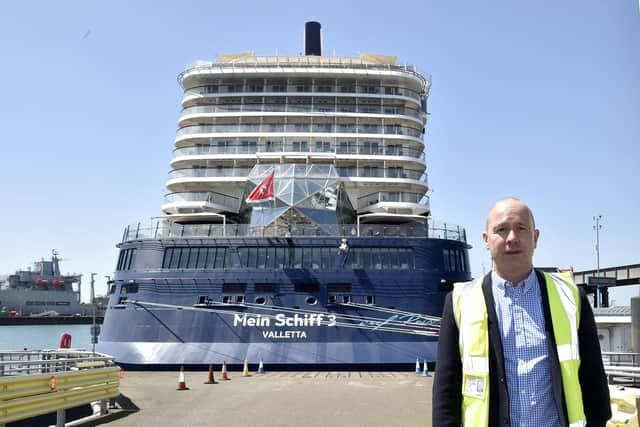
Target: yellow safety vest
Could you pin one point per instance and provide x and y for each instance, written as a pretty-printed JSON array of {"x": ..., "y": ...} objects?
[{"x": 470, "y": 313}]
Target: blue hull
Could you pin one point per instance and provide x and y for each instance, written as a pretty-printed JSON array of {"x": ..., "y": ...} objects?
[{"x": 313, "y": 316}]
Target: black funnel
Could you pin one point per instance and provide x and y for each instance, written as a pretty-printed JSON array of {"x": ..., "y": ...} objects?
[{"x": 312, "y": 39}]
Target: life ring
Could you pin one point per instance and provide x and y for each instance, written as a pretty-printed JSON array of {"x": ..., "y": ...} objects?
[{"x": 65, "y": 340}]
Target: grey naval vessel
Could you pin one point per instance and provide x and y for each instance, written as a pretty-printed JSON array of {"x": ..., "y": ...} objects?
[{"x": 41, "y": 290}]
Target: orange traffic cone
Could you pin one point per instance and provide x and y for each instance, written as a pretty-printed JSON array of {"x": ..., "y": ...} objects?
[
  {"x": 211, "y": 380},
  {"x": 182, "y": 384},
  {"x": 245, "y": 370},
  {"x": 224, "y": 376}
]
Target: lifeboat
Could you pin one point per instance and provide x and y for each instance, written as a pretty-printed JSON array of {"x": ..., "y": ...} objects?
[
  {"x": 58, "y": 282},
  {"x": 42, "y": 282}
]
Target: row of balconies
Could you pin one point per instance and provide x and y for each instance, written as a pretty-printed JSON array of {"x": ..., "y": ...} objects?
[
  {"x": 389, "y": 196},
  {"x": 233, "y": 203},
  {"x": 366, "y": 148},
  {"x": 340, "y": 89},
  {"x": 300, "y": 108},
  {"x": 369, "y": 129},
  {"x": 346, "y": 172}
]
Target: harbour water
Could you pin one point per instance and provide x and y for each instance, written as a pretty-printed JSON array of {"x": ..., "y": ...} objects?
[{"x": 43, "y": 336}]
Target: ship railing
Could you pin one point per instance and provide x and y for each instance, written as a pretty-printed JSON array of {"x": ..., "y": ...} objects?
[
  {"x": 313, "y": 62},
  {"x": 278, "y": 146},
  {"x": 302, "y": 128},
  {"x": 162, "y": 228},
  {"x": 345, "y": 172},
  {"x": 300, "y": 108}
]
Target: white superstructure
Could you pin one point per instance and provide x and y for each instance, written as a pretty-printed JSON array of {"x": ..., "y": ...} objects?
[{"x": 364, "y": 116}]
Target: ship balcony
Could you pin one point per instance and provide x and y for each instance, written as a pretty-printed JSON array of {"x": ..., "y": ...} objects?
[
  {"x": 350, "y": 148},
  {"x": 309, "y": 73},
  {"x": 392, "y": 201},
  {"x": 320, "y": 150},
  {"x": 300, "y": 89},
  {"x": 319, "y": 130},
  {"x": 194, "y": 202},
  {"x": 179, "y": 178},
  {"x": 198, "y": 113},
  {"x": 352, "y": 174}
]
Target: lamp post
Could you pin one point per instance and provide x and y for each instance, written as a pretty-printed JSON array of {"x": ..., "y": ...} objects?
[{"x": 597, "y": 226}]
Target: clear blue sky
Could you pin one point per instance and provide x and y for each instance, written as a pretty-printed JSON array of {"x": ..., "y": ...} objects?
[{"x": 538, "y": 100}]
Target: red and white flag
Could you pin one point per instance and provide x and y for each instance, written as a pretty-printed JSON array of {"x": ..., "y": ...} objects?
[{"x": 263, "y": 191}]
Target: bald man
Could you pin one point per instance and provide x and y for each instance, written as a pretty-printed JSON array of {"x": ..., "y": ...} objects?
[{"x": 518, "y": 347}]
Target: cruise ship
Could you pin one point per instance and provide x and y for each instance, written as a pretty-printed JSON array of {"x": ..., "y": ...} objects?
[{"x": 296, "y": 229}]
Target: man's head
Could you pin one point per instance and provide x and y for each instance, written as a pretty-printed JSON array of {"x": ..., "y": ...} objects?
[{"x": 511, "y": 238}]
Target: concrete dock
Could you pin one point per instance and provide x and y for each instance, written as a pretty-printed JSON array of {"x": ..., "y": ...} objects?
[{"x": 274, "y": 399}]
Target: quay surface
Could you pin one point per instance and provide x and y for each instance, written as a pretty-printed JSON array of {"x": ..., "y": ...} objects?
[{"x": 274, "y": 399}]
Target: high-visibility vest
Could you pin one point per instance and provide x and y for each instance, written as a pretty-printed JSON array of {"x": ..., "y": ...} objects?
[{"x": 470, "y": 313}]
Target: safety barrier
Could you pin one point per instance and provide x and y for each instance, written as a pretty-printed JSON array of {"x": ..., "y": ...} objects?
[{"x": 61, "y": 382}]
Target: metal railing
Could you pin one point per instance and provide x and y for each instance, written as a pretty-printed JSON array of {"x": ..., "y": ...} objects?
[
  {"x": 26, "y": 362},
  {"x": 253, "y": 147},
  {"x": 345, "y": 172},
  {"x": 299, "y": 108},
  {"x": 622, "y": 368},
  {"x": 34, "y": 383},
  {"x": 161, "y": 228},
  {"x": 388, "y": 196},
  {"x": 293, "y": 88},
  {"x": 301, "y": 128},
  {"x": 205, "y": 197}
]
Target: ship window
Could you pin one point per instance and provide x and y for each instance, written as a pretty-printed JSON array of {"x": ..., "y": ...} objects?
[
  {"x": 369, "y": 299},
  {"x": 240, "y": 299},
  {"x": 126, "y": 259},
  {"x": 328, "y": 258},
  {"x": 184, "y": 258},
  {"x": 112, "y": 290},
  {"x": 260, "y": 300},
  {"x": 234, "y": 288},
  {"x": 261, "y": 257},
  {"x": 130, "y": 288},
  {"x": 203, "y": 299},
  {"x": 226, "y": 299},
  {"x": 311, "y": 300},
  {"x": 332, "y": 299},
  {"x": 265, "y": 288},
  {"x": 339, "y": 288},
  {"x": 175, "y": 258},
  {"x": 221, "y": 258},
  {"x": 193, "y": 257},
  {"x": 346, "y": 299},
  {"x": 303, "y": 287}
]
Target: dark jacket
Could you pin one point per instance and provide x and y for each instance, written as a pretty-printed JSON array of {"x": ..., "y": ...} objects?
[{"x": 447, "y": 386}]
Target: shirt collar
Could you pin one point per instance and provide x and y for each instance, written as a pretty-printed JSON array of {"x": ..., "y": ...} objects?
[{"x": 500, "y": 284}]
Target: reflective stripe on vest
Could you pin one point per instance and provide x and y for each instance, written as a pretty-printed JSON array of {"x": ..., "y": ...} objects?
[
  {"x": 564, "y": 304},
  {"x": 470, "y": 313}
]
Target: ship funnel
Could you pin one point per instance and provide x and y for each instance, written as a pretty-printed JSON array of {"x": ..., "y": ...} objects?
[{"x": 312, "y": 39}]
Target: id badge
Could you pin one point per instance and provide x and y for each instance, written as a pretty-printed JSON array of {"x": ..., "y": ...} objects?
[{"x": 474, "y": 386}]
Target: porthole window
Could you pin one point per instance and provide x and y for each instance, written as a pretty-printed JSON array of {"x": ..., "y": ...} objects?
[
  {"x": 260, "y": 300},
  {"x": 311, "y": 300}
]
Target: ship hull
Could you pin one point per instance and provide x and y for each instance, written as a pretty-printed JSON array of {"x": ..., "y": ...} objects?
[{"x": 177, "y": 317}]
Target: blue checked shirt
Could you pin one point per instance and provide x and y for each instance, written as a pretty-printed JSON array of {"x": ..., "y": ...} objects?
[{"x": 521, "y": 324}]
